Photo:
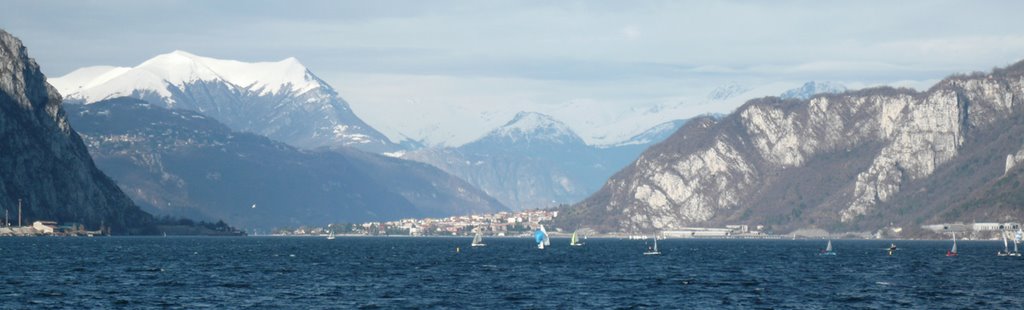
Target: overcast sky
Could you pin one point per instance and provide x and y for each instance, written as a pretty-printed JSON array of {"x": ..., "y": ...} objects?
[{"x": 383, "y": 55}]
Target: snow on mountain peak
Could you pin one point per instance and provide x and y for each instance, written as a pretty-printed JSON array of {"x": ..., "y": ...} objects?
[
  {"x": 86, "y": 77},
  {"x": 653, "y": 135},
  {"x": 528, "y": 126},
  {"x": 727, "y": 91},
  {"x": 178, "y": 68},
  {"x": 812, "y": 88}
]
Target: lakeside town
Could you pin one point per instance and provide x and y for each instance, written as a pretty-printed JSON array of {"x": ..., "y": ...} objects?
[
  {"x": 523, "y": 223},
  {"x": 520, "y": 223}
]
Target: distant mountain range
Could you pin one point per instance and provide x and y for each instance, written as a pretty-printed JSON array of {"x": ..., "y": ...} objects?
[
  {"x": 853, "y": 161},
  {"x": 535, "y": 161},
  {"x": 532, "y": 161},
  {"x": 44, "y": 162},
  {"x": 728, "y": 91},
  {"x": 281, "y": 100},
  {"x": 812, "y": 88},
  {"x": 183, "y": 163}
]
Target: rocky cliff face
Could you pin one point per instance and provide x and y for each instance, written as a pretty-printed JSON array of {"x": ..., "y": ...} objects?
[
  {"x": 43, "y": 160},
  {"x": 828, "y": 161}
]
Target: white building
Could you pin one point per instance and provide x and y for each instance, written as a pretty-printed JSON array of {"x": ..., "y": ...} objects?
[{"x": 45, "y": 227}]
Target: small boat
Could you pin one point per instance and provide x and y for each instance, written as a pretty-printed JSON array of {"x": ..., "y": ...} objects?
[
  {"x": 541, "y": 236},
  {"x": 653, "y": 250},
  {"x": 478, "y": 240},
  {"x": 952, "y": 252},
  {"x": 828, "y": 250},
  {"x": 331, "y": 235},
  {"x": 892, "y": 248},
  {"x": 575, "y": 241},
  {"x": 1006, "y": 248}
]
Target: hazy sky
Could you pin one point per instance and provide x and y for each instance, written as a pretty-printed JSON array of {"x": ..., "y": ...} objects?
[{"x": 383, "y": 55}]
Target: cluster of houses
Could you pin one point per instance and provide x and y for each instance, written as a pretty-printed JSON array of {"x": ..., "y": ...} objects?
[
  {"x": 496, "y": 224},
  {"x": 49, "y": 228},
  {"x": 975, "y": 230}
]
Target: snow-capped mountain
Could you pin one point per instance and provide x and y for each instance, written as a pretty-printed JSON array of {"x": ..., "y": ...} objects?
[
  {"x": 727, "y": 91},
  {"x": 531, "y": 128},
  {"x": 536, "y": 161},
  {"x": 654, "y": 135},
  {"x": 282, "y": 100},
  {"x": 812, "y": 88}
]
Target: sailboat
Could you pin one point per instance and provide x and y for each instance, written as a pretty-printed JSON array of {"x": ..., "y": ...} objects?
[
  {"x": 331, "y": 235},
  {"x": 478, "y": 240},
  {"x": 892, "y": 249},
  {"x": 952, "y": 252},
  {"x": 653, "y": 250},
  {"x": 828, "y": 250},
  {"x": 575, "y": 241},
  {"x": 541, "y": 236},
  {"x": 1006, "y": 247}
]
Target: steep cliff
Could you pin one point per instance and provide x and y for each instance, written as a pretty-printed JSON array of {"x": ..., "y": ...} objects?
[
  {"x": 836, "y": 161},
  {"x": 43, "y": 160}
]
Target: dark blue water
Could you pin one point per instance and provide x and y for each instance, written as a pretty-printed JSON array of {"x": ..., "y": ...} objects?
[{"x": 269, "y": 272}]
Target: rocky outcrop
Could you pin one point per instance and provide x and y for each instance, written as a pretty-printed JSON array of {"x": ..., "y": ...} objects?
[
  {"x": 757, "y": 165},
  {"x": 44, "y": 162}
]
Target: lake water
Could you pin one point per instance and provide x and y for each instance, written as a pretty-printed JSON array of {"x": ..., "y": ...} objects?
[{"x": 357, "y": 272}]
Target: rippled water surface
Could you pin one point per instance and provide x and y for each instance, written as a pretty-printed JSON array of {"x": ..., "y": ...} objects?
[{"x": 356, "y": 272}]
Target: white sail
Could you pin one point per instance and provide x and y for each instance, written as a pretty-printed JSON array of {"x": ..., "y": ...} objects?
[
  {"x": 573, "y": 241},
  {"x": 547, "y": 240},
  {"x": 1006, "y": 243},
  {"x": 954, "y": 244},
  {"x": 478, "y": 240},
  {"x": 654, "y": 250},
  {"x": 829, "y": 247},
  {"x": 1017, "y": 241}
]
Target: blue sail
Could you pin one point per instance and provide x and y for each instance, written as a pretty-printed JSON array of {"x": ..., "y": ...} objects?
[{"x": 538, "y": 235}]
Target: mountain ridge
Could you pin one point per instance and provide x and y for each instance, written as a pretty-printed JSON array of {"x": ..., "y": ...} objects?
[
  {"x": 183, "y": 163},
  {"x": 535, "y": 161},
  {"x": 832, "y": 161},
  {"x": 282, "y": 100}
]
